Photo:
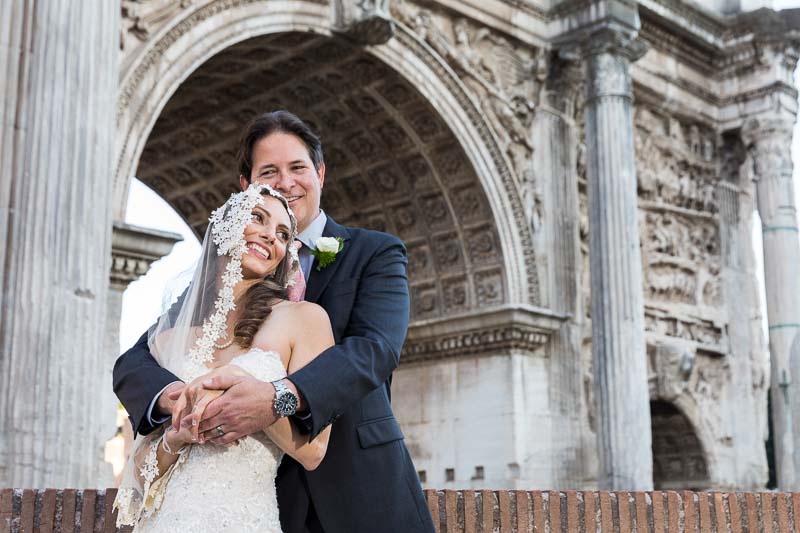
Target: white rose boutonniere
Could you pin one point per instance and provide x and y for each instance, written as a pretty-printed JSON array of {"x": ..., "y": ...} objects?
[{"x": 326, "y": 250}]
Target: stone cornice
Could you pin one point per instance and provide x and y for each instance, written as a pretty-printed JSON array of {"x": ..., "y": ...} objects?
[
  {"x": 711, "y": 42},
  {"x": 134, "y": 249},
  {"x": 496, "y": 331}
]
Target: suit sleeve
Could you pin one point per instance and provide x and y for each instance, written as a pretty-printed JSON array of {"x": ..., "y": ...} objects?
[
  {"x": 369, "y": 349},
  {"x": 137, "y": 380}
]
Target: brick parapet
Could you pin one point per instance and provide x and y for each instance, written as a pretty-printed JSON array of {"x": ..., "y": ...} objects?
[{"x": 481, "y": 511}]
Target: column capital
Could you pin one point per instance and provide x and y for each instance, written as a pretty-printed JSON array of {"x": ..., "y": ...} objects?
[
  {"x": 608, "y": 56},
  {"x": 768, "y": 139},
  {"x": 613, "y": 41},
  {"x": 134, "y": 250},
  {"x": 761, "y": 127}
]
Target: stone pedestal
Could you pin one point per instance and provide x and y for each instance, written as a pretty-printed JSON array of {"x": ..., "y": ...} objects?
[
  {"x": 618, "y": 342},
  {"x": 471, "y": 395},
  {"x": 57, "y": 139},
  {"x": 767, "y": 138}
]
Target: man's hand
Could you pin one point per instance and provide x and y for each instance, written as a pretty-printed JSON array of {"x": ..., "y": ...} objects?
[
  {"x": 168, "y": 398},
  {"x": 187, "y": 406},
  {"x": 245, "y": 408}
]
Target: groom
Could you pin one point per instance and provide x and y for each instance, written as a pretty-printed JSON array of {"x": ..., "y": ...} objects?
[{"x": 367, "y": 481}]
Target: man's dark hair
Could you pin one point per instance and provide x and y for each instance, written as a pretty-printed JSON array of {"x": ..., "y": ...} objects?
[{"x": 280, "y": 121}]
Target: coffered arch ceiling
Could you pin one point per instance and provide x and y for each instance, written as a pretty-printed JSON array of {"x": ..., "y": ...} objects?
[{"x": 392, "y": 163}]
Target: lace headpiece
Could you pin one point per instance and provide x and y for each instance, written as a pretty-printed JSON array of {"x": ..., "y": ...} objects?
[{"x": 228, "y": 224}]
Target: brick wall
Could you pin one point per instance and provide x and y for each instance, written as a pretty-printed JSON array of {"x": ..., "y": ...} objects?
[{"x": 476, "y": 511}]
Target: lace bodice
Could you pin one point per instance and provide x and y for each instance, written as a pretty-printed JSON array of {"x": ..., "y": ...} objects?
[{"x": 223, "y": 489}]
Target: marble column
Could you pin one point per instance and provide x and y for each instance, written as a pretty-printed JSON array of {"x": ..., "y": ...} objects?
[
  {"x": 768, "y": 140},
  {"x": 59, "y": 64},
  {"x": 618, "y": 343}
]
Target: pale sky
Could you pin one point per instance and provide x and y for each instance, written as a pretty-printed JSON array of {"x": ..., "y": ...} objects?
[{"x": 141, "y": 303}]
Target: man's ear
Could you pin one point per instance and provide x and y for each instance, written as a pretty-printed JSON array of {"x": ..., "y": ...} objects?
[
  {"x": 243, "y": 182},
  {"x": 321, "y": 173}
]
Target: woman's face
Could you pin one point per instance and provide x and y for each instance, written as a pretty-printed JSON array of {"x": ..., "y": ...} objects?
[{"x": 267, "y": 237}]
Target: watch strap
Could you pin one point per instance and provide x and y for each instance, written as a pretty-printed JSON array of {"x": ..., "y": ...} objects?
[{"x": 280, "y": 386}]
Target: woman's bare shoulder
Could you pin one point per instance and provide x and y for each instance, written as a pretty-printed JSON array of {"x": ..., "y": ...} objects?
[{"x": 304, "y": 311}]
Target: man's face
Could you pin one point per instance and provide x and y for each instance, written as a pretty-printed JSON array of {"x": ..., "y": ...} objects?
[{"x": 281, "y": 160}]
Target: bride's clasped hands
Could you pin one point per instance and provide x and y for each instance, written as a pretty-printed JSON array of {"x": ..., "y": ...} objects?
[{"x": 190, "y": 408}]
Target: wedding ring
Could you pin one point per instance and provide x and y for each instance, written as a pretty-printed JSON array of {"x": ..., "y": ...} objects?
[{"x": 219, "y": 431}]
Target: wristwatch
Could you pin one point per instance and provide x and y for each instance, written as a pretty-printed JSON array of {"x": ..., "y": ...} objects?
[{"x": 285, "y": 400}]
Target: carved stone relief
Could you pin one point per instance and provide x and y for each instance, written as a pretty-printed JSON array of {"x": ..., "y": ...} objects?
[
  {"x": 670, "y": 366},
  {"x": 505, "y": 78},
  {"x": 676, "y": 163},
  {"x": 364, "y": 21},
  {"x": 678, "y": 179},
  {"x": 663, "y": 323},
  {"x": 140, "y": 18}
]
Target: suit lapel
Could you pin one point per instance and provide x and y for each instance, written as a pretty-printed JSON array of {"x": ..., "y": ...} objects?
[{"x": 319, "y": 279}]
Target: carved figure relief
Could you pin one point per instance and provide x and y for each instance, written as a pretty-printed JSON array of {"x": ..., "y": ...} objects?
[
  {"x": 678, "y": 180},
  {"x": 141, "y": 17},
  {"x": 675, "y": 162},
  {"x": 505, "y": 79},
  {"x": 670, "y": 366},
  {"x": 681, "y": 258}
]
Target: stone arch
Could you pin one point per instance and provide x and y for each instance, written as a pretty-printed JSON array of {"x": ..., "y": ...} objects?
[
  {"x": 466, "y": 258},
  {"x": 679, "y": 457}
]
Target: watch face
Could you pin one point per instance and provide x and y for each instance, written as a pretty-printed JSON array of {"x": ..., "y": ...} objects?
[{"x": 286, "y": 404}]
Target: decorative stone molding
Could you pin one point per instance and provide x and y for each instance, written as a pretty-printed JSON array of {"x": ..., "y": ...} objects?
[
  {"x": 363, "y": 21},
  {"x": 134, "y": 250},
  {"x": 141, "y": 18},
  {"x": 499, "y": 331}
]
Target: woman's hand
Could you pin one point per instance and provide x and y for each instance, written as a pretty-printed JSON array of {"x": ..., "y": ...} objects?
[
  {"x": 175, "y": 439},
  {"x": 195, "y": 398}
]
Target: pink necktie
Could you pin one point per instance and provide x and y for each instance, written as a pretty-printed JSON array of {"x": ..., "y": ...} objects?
[{"x": 297, "y": 292}]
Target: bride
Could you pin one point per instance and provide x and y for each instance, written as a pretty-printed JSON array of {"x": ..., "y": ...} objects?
[{"x": 234, "y": 318}]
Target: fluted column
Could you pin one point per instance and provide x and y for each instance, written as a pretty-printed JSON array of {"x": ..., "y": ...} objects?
[
  {"x": 556, "y": 138},
  {"x": 59, "y": 80},
  {"x": 769, "y": 140},
  {"x": 618, "y": 344}
]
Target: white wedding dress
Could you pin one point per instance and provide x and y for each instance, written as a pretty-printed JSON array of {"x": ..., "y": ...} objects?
[{"x": 212, "y": 488}]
